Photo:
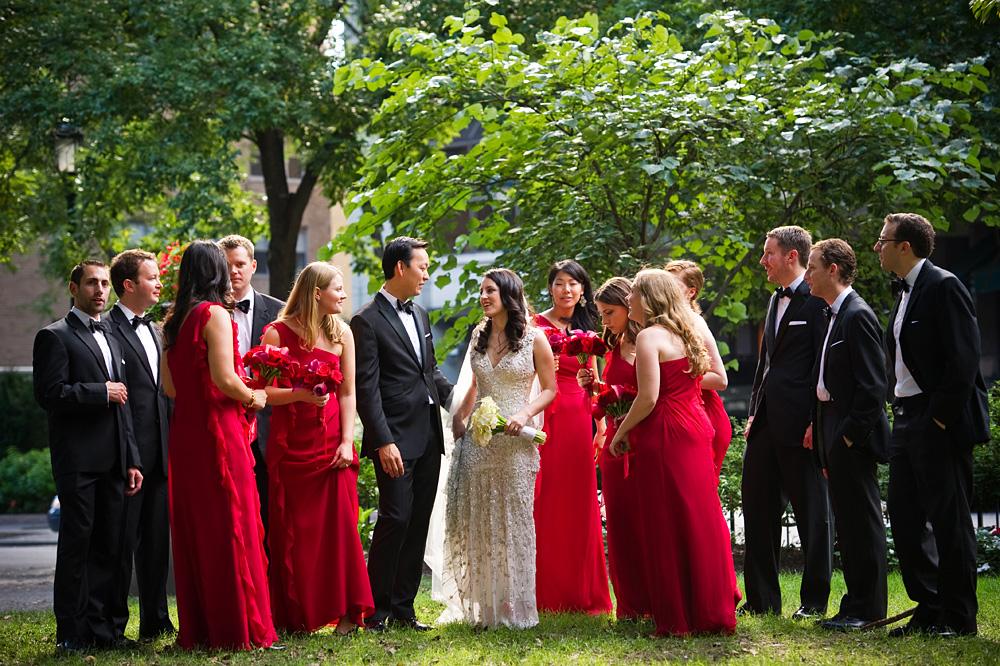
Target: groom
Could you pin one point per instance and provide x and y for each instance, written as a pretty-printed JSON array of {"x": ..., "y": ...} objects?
[{"x": 400, "y": 395}]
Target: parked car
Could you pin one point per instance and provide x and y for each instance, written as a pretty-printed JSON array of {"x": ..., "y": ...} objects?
[{"x": 53, "y": 514}]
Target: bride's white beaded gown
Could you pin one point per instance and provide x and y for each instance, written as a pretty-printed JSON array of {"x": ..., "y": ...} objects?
[{"x": 489, "y": 546}]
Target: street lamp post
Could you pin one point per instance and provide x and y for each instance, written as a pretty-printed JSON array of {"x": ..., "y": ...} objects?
[{"x": 68, "y": 138}]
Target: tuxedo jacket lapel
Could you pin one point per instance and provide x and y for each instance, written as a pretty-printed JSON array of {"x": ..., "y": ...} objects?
[
  {"x": 795, "y": 304},
  {"x": 916, "y": 291},
  {"x": 130, "y": 335},
  {"x": 772, "y": 312},
  {"x": 385, "y": 309},
  {"x": 87, "y": 338}
]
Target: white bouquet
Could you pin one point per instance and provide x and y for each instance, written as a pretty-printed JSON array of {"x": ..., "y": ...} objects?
[{"x": 487, "y": 421}]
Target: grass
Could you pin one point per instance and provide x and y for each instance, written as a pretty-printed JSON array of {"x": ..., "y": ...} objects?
[{"x": 28, "y": 637}]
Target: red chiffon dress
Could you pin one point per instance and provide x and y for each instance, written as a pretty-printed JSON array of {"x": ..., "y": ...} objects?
[
  {"x": 571, "y": 573},
  {"x": 722, "y": 426},
  {"x": 220, "y": 568},
  {"x": 318, "y": 572},
  {"x": 620, "y": 502},
  {"x": 683, "y": 546}
]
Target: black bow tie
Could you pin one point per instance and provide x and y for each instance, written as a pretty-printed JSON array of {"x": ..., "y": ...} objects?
[
  {"x": 405, "y": 306},
  {"x": 784, "y": 292},
  {"x": 900, "y": 285},
  {"x": 101, "y": 326},
  {"x": 138, "y": 319},
  {"x": 828, "y": 312},
  {"x": 244, "y": 305}
]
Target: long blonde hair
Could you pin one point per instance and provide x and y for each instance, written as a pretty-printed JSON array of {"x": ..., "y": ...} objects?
[
  {"x": 690, "y": 274},
  {"x": 665, "y": 304},
  {"x": 301, "y": 306}
]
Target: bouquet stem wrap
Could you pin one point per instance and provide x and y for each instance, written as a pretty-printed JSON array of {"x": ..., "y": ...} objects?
[{"x": 487, "y": 421}]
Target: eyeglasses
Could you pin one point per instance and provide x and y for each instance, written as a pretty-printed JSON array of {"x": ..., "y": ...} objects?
[{"x": 882, "y": 241}]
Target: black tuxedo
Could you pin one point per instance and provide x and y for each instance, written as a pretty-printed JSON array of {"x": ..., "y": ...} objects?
[
  {"x": 854, "y": 376},
  {"x": 399, "y": 401},
  {"x": 146, "y": 511},
  {"x": 777, "y": 468},
  {"x": 92, "y": 446},
  {"x": 930, "y": 469},
  {"x": 265, "y": 311}
]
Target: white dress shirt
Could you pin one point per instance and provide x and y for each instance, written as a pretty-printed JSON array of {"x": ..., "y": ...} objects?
[
  {"x": 102, "y": 342},
  {"x": 244, "y": 324},
  {"x": 821, "y": 392},
  {"x": 906, "y": 385},
  {"x": 784, "y": 302},
  {"x": 409, "y": 323},
  {"x": 146, "y": 338}
]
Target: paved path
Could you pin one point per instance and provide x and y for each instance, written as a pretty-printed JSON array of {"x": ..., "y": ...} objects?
[{"x": 27, "y": 562}]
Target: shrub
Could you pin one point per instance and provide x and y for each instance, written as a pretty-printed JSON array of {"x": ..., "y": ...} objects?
[
  {"x": 731, "y": 476},
  {"x": 26, "y": 484},
  {"x": 23, "y": 423},
  {"x": 986, "y": 460}
]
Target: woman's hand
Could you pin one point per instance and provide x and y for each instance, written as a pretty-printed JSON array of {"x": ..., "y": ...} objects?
[
  {"x": 516, "y": 422},
  {"x": 618, "y": 446},
  {"x": 310, "y": 397},
  {"x": 259, "y": 399},
  {"x": 458, "y": 427},
  {"x": 344, "y": 455},
  {"x": 555, "y": 359},
  {"x": 585, "y": 377}
]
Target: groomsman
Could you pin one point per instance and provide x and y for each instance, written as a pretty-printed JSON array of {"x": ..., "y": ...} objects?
[
  {"x": 851, "y": 431},
  {"x": 400, "y": 395},
  {"x": 253, "y": 312},
  {"x": 940, "y": 413},
  {"x": 78, "y": 372},
  {"x": 778, "y": 466},
  {"x": 135, "y": 278}
]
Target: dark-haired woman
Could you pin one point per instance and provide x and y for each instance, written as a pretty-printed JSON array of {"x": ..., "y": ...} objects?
[
  {"x": 618, "y": 490},
  {"x": 218, "y": 541},
  {"x": 489, "y": 548},
  {"x": 572, "y": 575}
]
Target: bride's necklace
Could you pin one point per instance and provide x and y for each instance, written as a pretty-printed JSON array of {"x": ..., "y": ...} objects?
[{"x": 499, "y": 342}]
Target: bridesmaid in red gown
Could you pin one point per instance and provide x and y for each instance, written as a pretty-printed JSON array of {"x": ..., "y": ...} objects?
[
  {"x": 318, "y": 574},
  {"x": 715, "y": 380},
  {"x": 617, "y": 486},
  {"x": 571, "y": 573},
  {"x": 220, "y": 568},
  {"x": 682, "y": 544}
]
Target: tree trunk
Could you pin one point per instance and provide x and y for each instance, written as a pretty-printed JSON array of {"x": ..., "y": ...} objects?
[{"x": 284, "y": 210}]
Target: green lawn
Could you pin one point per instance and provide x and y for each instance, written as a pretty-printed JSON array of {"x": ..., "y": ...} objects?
[{"x": 29, "y": 638}]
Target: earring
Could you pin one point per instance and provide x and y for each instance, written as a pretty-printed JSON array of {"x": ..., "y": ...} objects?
[{"x": 583, "y": 302}]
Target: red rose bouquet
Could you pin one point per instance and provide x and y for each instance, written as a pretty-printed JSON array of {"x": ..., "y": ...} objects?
[
  {"x": 267, "y": 363},
  {"x": 584, "y": 344},
  {"x": 556, "y": 338},
  {"x": 320, "y": 377},
  {"x": 614, "y": 400}
]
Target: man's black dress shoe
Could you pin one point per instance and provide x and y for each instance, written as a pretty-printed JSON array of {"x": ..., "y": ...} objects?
[
  {"x": 843, "y": 623},
  {"x": 166, "y": 630},
  {"x": 808, "y": 613},
  {"x": 909, "y": 629},
  {"x": 122, "y": 643},
  {"x": 410, "y": 623},
  {"x": 72, "y": 647},
  {"x": 746, "y": 610},
  {"x": 377, "y": 625}
]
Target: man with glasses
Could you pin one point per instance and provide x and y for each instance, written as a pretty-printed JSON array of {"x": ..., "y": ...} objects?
[{"x": 940, "y": 413}]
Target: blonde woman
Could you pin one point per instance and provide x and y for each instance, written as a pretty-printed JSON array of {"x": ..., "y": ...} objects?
[
  {"x": 715, "y": 380},
  {"x": 318, "y": 575},
  {"x": 682, "y": 545}
]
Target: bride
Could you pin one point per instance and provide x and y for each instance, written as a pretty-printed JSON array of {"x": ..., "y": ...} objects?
[{"x": 488, "y": 578}]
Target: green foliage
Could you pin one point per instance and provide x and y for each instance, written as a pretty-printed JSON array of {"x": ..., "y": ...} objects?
[
  {"x": 629, "y": 149},
  {"x": 163, "y": 93},
  {"x": 985, "y": 10},
  {"x": 986, "y": 461},
  {"x": 731, "y": 477},
  {"x": 988, "y": 550},
  {"x": 23, "y": 423},
  {"x": 367, "y": 495},
  {"x": 26, "y": 484}
]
